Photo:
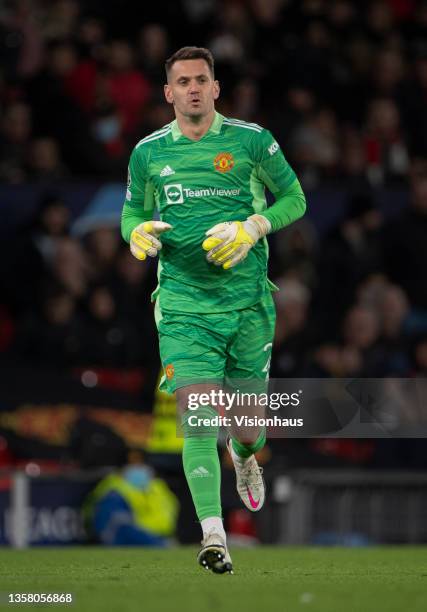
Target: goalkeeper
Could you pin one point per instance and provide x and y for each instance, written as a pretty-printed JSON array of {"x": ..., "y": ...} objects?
[{"x": 206, "y": 175}]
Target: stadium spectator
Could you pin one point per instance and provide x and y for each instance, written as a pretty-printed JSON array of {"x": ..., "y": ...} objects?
[
  {"x": 21, "y": 45},
  {"x": 245, "y": 99},
  {"x": 380, "y": 21},
  {"x": 349, "y": 254},
  {"x": 51, "y": 335},
  {"x": 233, "y": 32},
  {"x": 386, "y": 151},
  {"x": 387, "y": 74},
  {"x": 298, "y": 106},
  {"x": 396, "y": 318},
  {"x": 108, "y": 340},
  {"x": 68, "y": 124},
  {"x": 406, "y": 243},
  {"x": 294, "y": 256},
  {"x": 102, "y": 246},
  {"x": 107, "y": 124},
  {"x": 341, "y": 16},
  {"x": 315, "y": 147},
  {"x": 352, "y": 165},
  {"x": 52, "y": 217},
  {"x": 129, "y": 506},
  {"x": 292, "y": 336},
  {"x": 333, "y": 360},
  {"x": 71, "y": 267},
  {"x": 152, "y": 51},
  {"x": 131, "y": 283},
  {"x": 362, "y": 333},
  {"x": 78, "y": 76},
  {"x": 419, "y": 353},
  {"x": 60, "y": 19},
  {"x": 128, "y": 88},
  {"x": 132, "y": 507},
  {"x": 44, "y": 163},
  {"x": 91, "y": 38},
  {"x": 16, "y": 131},
  {"x": 31, "y": 256},
  {"x": 394, "y": 312}
]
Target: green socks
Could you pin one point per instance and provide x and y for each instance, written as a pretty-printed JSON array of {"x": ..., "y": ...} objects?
[
  {"x": 201, "y": 462},
  {"x": 246, "y": 450}
]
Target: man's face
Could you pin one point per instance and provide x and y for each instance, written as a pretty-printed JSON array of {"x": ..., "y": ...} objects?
[{"x": 191, "y": 88}]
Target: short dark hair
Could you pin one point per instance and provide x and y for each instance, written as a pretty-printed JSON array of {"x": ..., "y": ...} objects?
[{"x": 190, "y": 53}]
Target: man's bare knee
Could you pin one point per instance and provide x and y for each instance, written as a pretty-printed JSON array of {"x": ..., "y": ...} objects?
[{"x": 246, "y": 437}]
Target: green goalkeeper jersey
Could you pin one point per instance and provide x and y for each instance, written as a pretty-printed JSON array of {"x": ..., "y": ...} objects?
[{"x": 196, "y": 184}]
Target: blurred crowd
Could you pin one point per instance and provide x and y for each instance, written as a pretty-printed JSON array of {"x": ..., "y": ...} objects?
[
  {"x": 75, "y": 301},
  {"x": 342, "y": 84},
  {"x": 355, "y": 302},
  {"x": 343, "y": 87}
]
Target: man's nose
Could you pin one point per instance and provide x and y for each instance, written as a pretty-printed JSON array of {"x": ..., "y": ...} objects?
[{"x": 194, "y": 87}]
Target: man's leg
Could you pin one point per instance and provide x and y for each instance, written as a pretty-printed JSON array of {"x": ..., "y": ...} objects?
[
  {"x": 200, "y": 454},
  {"x": 242, "y": 444},
  {"x": 203, "y": 473},
  {"x": 247, "y": 369},
  {"x": 193, "y": 351},
  {"x": 242, "y": 448}
]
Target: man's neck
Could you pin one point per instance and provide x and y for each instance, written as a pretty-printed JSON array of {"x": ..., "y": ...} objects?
[{"x": 196, "y": 128}]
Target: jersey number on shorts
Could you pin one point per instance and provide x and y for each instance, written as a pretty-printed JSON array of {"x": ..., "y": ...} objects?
[{"x": 266, "y": 368}]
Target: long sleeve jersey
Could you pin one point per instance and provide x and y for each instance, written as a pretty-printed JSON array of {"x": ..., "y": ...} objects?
[{"x": 196, "y": 184}]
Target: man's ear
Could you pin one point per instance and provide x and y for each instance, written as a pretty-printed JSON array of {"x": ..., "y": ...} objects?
[
  {"x": 168, "y": 93},
  {"x": 216, "y": 90}
]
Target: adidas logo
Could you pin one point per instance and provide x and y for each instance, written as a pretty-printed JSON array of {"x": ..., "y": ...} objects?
[
  {"x": 167, "y": 171},
  {"x": 200, "y": 472}
]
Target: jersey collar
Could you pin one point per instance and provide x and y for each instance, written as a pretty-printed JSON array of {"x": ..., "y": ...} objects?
[{"x": 215, "y": 127}]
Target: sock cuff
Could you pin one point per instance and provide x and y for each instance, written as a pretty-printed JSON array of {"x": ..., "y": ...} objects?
[{"x": 246, "y": 450}]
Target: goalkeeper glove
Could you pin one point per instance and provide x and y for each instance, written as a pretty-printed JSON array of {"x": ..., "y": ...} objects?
[
  {"x": 229, "y": 243},
  {"x": 144, "y": 239}
]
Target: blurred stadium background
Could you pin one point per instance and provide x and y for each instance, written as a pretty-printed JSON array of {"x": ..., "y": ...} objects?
[{"x": 343, "y": 87}]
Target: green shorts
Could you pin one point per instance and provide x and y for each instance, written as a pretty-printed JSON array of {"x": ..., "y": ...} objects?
[{"x": 224, "y": 347}]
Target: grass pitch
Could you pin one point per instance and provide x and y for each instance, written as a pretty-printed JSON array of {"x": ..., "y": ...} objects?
[{"x": 266, "y": 579}]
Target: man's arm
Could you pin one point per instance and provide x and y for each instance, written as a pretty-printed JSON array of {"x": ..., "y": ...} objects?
[
  {"x": 289, "y": 206},
  {"x": 137, "y": 225},
  {"x": 139, "y": 204},
  {"x": 131, "y": 219},
  {"x": 277, "y": 175},
  {"x": 229, "y": 243}
]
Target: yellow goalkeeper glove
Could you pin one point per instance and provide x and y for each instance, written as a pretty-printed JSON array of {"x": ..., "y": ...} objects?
[
  {"x": 229, "y": 243},
  {"x": 144, "y": 239}
]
